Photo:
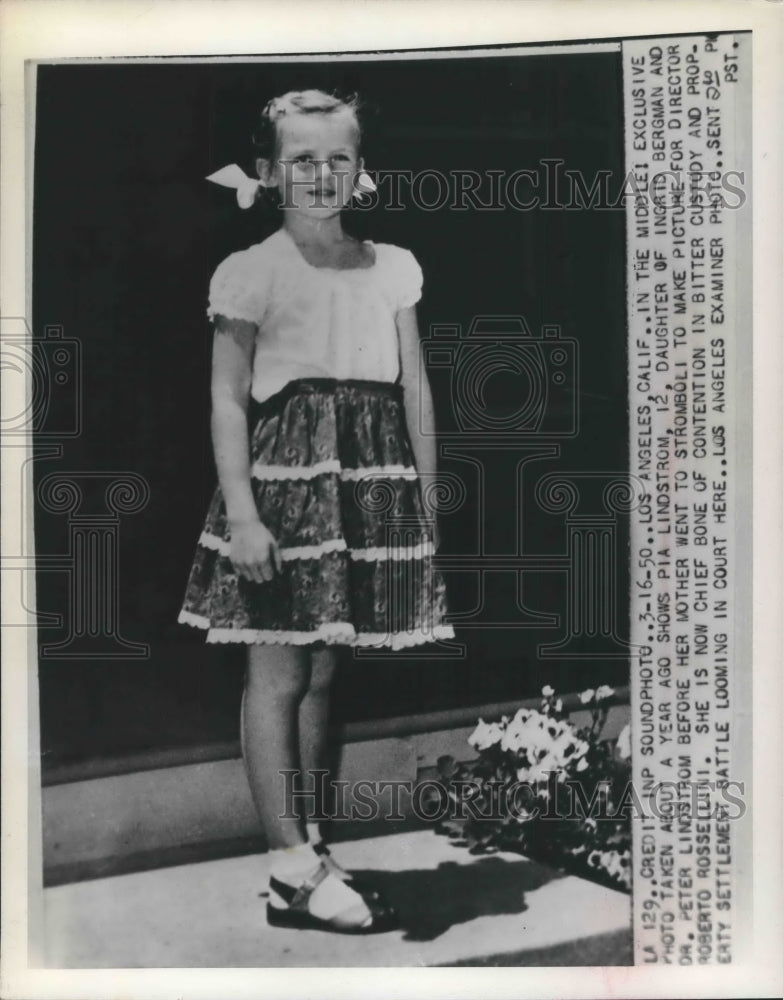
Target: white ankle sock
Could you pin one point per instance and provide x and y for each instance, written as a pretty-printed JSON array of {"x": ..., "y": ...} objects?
[
  {"x": 292, "y": 864},
  {"x": 330, "y": 898}
]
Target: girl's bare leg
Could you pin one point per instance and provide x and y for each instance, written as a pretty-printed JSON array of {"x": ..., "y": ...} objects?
[
  {"x": 314, "y": 728},
  {"x": 277, "y": 679}
]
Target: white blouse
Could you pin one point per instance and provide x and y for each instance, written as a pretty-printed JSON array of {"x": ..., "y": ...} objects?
[{"x": 316, "y": 321}]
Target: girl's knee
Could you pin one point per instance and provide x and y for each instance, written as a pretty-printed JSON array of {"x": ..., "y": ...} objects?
[
  {"x": 284, "y": 673},
  {"x": 319, "y": 687},
  {"x": 322, "y": 673}
]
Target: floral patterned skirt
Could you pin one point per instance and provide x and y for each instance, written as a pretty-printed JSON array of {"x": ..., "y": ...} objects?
[{"x": 334, "y": 480}]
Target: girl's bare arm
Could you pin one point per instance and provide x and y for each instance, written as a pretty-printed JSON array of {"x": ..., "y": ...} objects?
[
  {"x": 232, "y": 367},
  {"x": 254, "y": 551},
  {"x": 418, "y": 396}
]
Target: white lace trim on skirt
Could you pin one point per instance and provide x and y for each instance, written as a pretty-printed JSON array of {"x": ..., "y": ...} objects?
[
  {"x": 273, "y": 472},
  {"x": 372, "y": 554},
  {"x": 261, "y": 471},
  {"x": 392, "y": 471},
  {"x": 329, "y": 632}
]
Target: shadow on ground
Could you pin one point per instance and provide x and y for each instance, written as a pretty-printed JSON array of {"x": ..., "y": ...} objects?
[{"x": 431, "y": 900}]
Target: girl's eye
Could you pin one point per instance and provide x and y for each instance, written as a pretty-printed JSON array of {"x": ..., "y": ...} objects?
[{"x": 307, "y": 159}]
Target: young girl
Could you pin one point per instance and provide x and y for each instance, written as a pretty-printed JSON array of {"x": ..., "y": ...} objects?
[{"x": 316, "y": 536}]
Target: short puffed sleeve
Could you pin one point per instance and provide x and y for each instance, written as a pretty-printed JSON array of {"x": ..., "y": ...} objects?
[
  {"x": 239, "y": 288},
  {"x": 406, "y": 277}
]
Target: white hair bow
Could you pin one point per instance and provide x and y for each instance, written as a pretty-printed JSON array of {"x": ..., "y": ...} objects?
[
  {"x": 234, "y": 176},
  {"x": 364, "y": 186}
]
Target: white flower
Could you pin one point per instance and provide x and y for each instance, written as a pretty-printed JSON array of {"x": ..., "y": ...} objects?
[
  {"x": 624, "y": 742},
  {"x": 486, "y": 734},
  {"x": 580, "y": 748},
  {"x": 541, "y": 742},
  {"x": 518, "y": 734},
  {"x": 562, "y": 744},
  {"x": 513, "y": 738},
  {"x": 547, "y": 691},
  {"x": 586, "y": 696},
  {"x": 604, "y": 691},
  {"x": 612, "y": 864},
  {"x": 581, "y": 764}
]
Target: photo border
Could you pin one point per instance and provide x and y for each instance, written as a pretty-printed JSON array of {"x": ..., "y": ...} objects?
[{"x": 60, "y": 29}]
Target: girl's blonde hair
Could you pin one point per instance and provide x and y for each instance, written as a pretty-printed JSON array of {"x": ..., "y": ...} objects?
[{"x": 299, "y": 102}]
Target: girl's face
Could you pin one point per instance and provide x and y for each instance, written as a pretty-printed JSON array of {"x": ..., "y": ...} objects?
[{"x": 317, "y": 161}]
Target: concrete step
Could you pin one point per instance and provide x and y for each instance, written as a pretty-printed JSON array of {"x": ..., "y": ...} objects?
[{"x": 456, "y": 909}]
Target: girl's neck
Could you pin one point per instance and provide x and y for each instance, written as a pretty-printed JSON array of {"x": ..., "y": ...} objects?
[{"x": 313, "y": 232}]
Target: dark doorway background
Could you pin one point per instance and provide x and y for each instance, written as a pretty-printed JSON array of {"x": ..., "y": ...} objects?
[{"x": 126, "y": 235}]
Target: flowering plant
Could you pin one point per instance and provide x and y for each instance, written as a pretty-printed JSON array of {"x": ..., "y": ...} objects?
[{"x": 546, "y": 789}]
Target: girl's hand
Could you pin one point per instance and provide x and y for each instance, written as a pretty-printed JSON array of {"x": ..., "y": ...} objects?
[{"x": 254, "y": 552}]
